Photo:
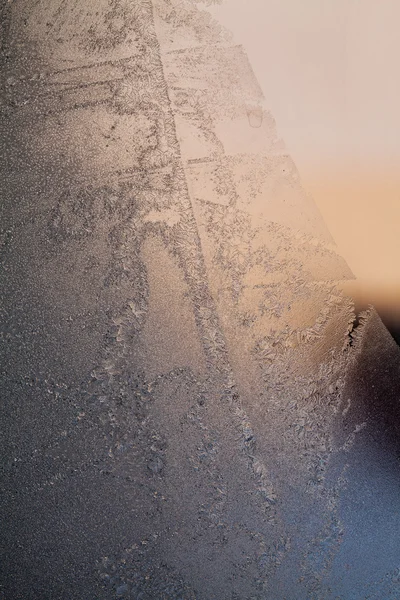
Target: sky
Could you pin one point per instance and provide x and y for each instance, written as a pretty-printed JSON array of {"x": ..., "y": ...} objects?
[{"x": 329, "y": 72}]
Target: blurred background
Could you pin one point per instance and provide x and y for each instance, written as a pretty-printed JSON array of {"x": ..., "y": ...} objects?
[{"x": 329, "y": 72}]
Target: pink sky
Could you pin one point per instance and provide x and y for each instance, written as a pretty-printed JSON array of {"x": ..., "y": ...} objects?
[{"x": 329, "y": 72}]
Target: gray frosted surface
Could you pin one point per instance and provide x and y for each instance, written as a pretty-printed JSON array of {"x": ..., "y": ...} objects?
[{"x": 187, "y": 409}]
